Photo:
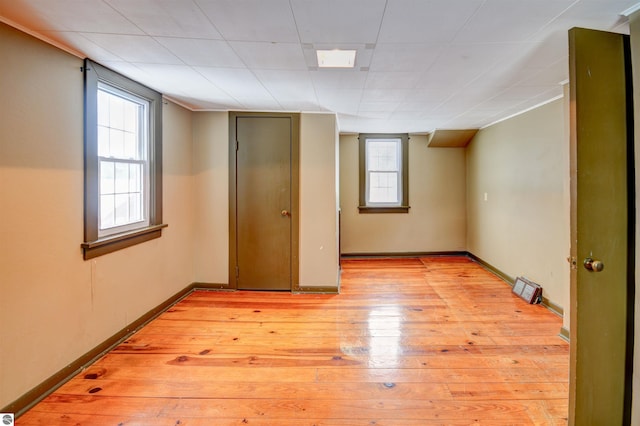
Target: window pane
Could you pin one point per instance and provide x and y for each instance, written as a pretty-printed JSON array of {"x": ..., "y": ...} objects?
[
  {"x": 120, "y": 125},
  {"x": 382, "y": 155},
  {"x": 103, "y": 141},
  {"x": 116, "y": 112},
  {"x": 121, "y": 209},
  {"x": 107, "y": 182},
  {"x": 130, "y": 146},
  {"x": 121, "y": 178},
  {"x": 103, "y": 108},
  {"x": 106, "y": 211},
  {"x": 383, "y": 187},
  {"x": 131, "y": 117},
  {"x": 135, "y": 207},
  {"x": 116, "y": 143},
  {"x": 135, "y": 177}
]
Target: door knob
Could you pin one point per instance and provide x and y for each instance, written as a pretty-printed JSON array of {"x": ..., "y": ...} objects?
[
  {"x": 593, "y": 265},
  {"x": 284, "y": 213}
]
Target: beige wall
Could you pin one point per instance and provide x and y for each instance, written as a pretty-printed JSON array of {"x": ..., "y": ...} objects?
[
  {"x": 318, "y": 209},
  {"x": 211, "y": 189},
  {"x": 437, "y": 218},
  {"x": 54, "y": 307},
  {"x": 522, "y": 226}
]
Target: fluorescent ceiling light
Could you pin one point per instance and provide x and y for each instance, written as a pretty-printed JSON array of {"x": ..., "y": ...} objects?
[{"x": 336, "y": 58}]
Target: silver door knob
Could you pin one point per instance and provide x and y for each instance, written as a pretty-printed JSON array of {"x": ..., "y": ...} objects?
[{"x": 593, "y": 265}]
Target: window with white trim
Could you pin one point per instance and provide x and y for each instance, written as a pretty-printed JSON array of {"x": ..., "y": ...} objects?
[
  {"x": 123, "y": 139},
  {"x": 123, "y": 162},
  {"x": 383, "y": 173}
]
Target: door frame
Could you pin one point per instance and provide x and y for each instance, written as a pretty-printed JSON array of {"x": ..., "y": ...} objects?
[{"x": 295, "y": 193}]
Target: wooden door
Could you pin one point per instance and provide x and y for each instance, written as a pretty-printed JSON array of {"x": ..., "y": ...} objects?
[
  {"x": 264, "y": 207},
  {"x": 602, "y": 228}
]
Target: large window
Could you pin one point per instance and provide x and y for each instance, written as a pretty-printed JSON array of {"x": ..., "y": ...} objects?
[
  {"x": 384, "y": 186},
  {"x": 123, "y": 148}
]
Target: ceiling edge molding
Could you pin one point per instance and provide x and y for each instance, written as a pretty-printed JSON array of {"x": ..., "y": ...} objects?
[
  {"x": 548, "y": 101},
  {"x": 43, "y": 38}
]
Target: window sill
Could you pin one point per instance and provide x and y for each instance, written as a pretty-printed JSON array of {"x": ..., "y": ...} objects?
[
  {"x": 117, "y": 242},
  {"x": 369, "y": 209}
]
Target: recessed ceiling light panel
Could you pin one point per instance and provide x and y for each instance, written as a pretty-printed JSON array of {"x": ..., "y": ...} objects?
[{"x": 336, "y": 58}]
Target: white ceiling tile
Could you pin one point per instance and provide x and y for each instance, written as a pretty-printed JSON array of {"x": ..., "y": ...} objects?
[
  {"x": 384, "y": 95},
  {"x": 338, "y": 21},
  {"x": 409, "y": 115},
  {"x": 425, "y": 106},
  {"x": 404, "y": 57},
  {"x": 171, "y": 18},
  {"x": 184, "y": 80},
  {"x": 251, "y": 104},
  {"x": 519, "y": 93},
  {"x": 377, "y": 106},
  {"x": 425, "y": 21},
  {"x": 133, "y": 72},
  {"x": 550, "y": 75},
  {"x": 380, "y": 115},
  {"x": 275, "y": 56},
  {"x": 508, "y": 20},
  {"x": 596, "y": 13},
  {"x": 141, "y": 49},
  {"x": 435, "y": 94},
  {"x": 301, "y": 106},
  {"x": 338, "y": 79},
  {"x": 238, "y": 83},
  {"x": 459, "y": 65},
  {"x": 288, "y": 85},
  {"x": 252, "y": 20},
  {"x": 201, "y": 52},
  {"x": 340, "y": 100},
  {"x": 392, "y": 80}
]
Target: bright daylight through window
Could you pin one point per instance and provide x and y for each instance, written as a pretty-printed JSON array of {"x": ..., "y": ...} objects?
[
  {"x": 124, "y": 169},
  {"x": 383, "y": 172}
]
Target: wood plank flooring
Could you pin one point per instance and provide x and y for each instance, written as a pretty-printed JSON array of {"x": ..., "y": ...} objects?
[{"x": 431, "y": 341}]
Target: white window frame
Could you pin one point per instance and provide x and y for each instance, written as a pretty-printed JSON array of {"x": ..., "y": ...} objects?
[
  {"x": 142, "y": 160},
  {"x": 397, "y": 172}
]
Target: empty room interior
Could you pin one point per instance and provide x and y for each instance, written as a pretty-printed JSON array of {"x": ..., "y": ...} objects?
[{"x": 181, "y": 181}]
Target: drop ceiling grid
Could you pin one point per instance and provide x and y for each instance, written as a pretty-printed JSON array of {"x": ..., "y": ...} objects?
[{"x": 420, "y": 63}]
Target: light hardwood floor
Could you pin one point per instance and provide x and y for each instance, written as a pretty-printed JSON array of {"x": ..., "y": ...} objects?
[{"x": 431, "y": 341}]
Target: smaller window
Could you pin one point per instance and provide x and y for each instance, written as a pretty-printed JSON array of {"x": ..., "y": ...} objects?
[
  {"x": 384, "y": 172},
  {"x": 384, "y": 186}
]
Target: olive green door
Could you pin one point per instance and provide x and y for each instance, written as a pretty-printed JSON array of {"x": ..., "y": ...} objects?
[
  {"x": 263, "y": 206},
  {"x": 602, "y": 228}
]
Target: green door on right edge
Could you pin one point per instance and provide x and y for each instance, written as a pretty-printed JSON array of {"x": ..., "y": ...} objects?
[{"x": 602, "y": 228}]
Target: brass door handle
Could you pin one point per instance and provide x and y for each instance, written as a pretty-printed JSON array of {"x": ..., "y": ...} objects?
[
  {"x": 593, "y": 265},
  {"x": 285, "y": 213}
]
